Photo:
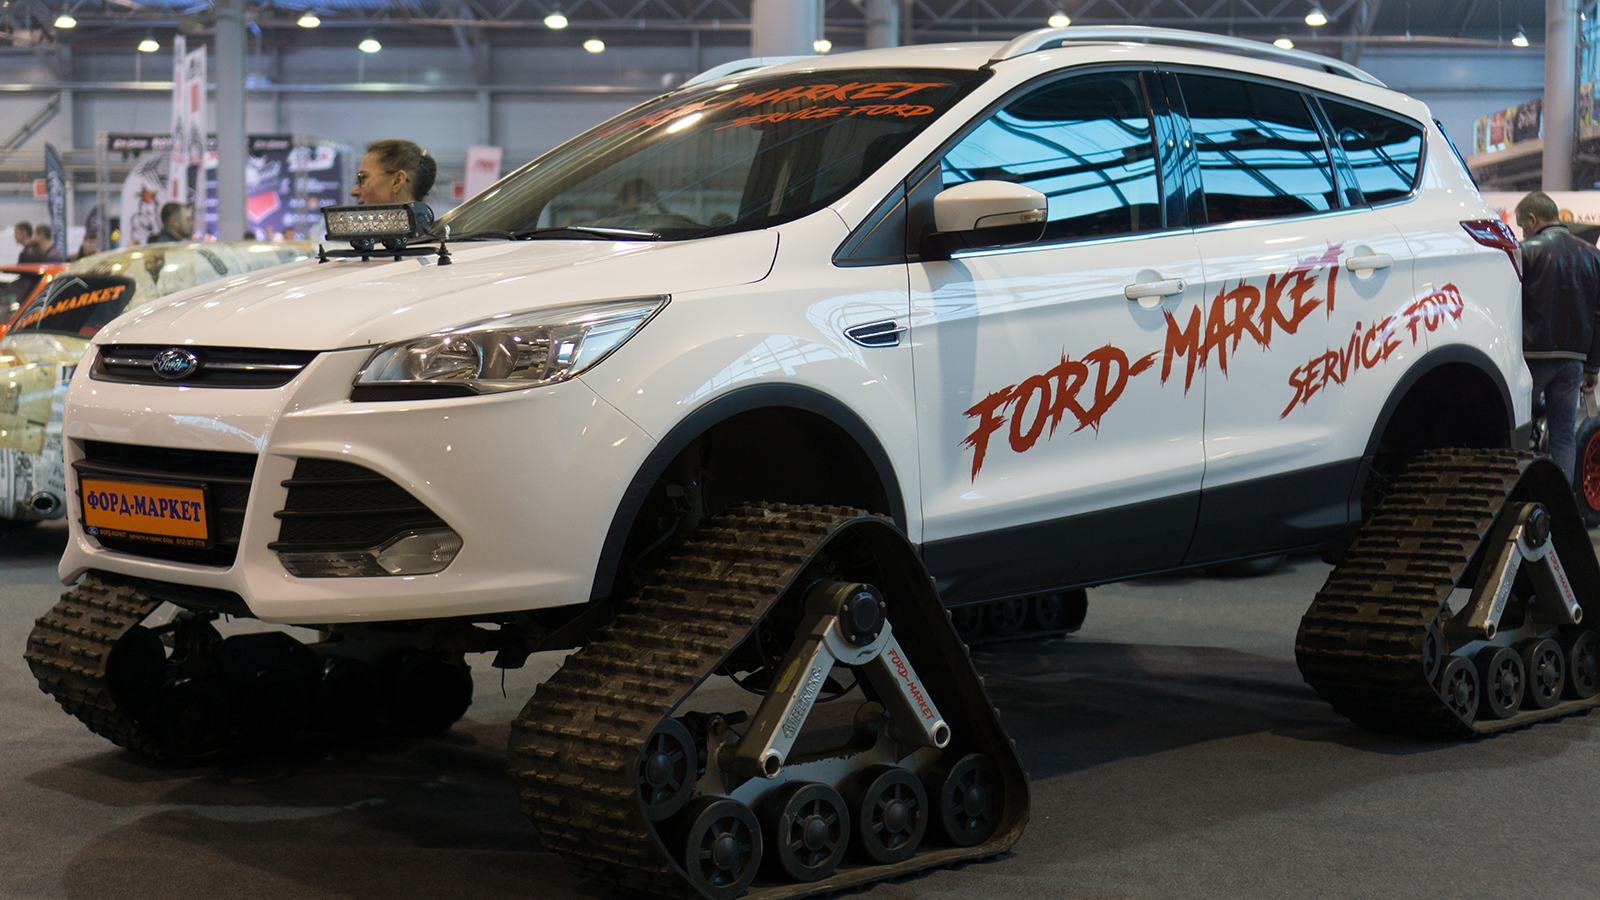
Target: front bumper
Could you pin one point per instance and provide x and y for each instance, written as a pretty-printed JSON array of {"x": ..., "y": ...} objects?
[{"x": 530, "y": 480}]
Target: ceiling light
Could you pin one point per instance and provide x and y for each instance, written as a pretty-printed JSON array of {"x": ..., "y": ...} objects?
[
  {"x": 66, "y": 21},
  {"x": 1283, "y": 43},
  {"x": 1316, "y": 18},
  {"x": 555, "y": 21},
  {"x": 1521, "y": 40},
  {"x": 821, "y": 45},
  {"x": 370, "y": 45},
  {"x": 308, "y": 20},
  {"x": 594, "y": 45},
  {"x": 1058, "y": 19},
  {"x": 148, "y": 45}
]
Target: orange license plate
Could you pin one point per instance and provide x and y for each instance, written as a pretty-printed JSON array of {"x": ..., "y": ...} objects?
[{"x": 159, "y": 513}]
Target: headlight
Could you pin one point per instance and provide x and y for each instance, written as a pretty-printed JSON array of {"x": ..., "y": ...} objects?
[{"x": 508, "y": 353}]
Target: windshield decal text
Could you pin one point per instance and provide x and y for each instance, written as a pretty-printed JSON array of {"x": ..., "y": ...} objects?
[
  {"x": 78, "y": 301},
  {"x": 815, "y": 94}
]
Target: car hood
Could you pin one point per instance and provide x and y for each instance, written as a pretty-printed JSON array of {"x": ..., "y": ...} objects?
[{"x": 350, "y": 303}]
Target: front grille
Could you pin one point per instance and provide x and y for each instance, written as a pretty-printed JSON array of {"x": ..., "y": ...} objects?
[
  {"x": 336, "y": 505},
  {"x": 219, "y": 367},
  {"x": 227, "y": 475}
]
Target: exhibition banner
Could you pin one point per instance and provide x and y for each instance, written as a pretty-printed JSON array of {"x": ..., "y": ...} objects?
[
  {"x": 286, "y": 186},
  {"x": 55, "y": 179},
  {"x": 145, "y": 188}
]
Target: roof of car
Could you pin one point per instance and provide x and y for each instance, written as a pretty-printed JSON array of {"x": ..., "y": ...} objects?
[{"x": 979, "y": 55}]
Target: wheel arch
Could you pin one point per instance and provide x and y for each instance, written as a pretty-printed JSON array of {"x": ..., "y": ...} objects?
[
  {"x": 838, "y": 422},
  {"x": 1448, "y": 398}
]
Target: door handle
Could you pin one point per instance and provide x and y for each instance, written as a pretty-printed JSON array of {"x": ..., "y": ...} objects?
[
  {"x": 1149, "y": 289},
  {"x": 1375, "y": 261}
]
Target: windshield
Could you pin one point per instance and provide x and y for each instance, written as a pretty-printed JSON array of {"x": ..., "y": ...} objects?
[{"x": 729, "y": 157}]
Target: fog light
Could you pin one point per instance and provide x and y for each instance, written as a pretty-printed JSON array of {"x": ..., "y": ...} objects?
[{"x": 412, "y": 553}]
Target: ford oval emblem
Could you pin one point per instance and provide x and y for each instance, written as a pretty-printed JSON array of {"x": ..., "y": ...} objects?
[{"x": 175, "y": 363}]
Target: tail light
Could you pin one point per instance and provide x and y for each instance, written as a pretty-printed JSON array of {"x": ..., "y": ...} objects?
[{"x": 1497, "y": 234}]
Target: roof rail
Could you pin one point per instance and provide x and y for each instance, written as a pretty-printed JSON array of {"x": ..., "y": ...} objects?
[
  {"x": 1046, "y": 38},
  {"x": 739, "y": 65}
]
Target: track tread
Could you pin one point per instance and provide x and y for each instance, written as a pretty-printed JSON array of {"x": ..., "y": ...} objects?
[{"x": 1360, "y": 642}]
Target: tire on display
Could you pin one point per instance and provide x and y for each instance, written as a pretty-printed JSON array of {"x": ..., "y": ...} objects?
[{"x": 1586, "y": 482}]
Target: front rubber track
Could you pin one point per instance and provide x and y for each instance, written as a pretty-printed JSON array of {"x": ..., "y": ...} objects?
[{"x": 576, "y": 744}]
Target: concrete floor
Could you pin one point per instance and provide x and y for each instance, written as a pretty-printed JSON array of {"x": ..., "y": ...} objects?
[{"x": 1174, "y": 752}]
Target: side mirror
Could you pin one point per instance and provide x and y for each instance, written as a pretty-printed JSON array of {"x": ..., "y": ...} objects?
[{"x": 985, "y": 214}]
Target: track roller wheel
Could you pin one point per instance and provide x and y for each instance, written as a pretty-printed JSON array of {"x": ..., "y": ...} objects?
[
  {"x": 967, "y": 799},
  {"x": 806, "y": 829},
  {"x": 1583, "y": 665},
  {"x": 1501, "y": 674},
  {"x": 968, "y": 620},
  {"x": 427, "y": 694},
  {"x": 1458, "y": 685},
  {"x": 1006, "y": 617},
  {"x": 1059, "y": 612},
  {"x": 349, "y": 698},
  {"x": 1546, "y": 671},
  {"x": 721, "y": 847},
  {"x": 891, "y": 810},
  {"x": 190, "y": 718},
  {"x": 136, "y": 668},
  {"x": 667, "y": 769}
]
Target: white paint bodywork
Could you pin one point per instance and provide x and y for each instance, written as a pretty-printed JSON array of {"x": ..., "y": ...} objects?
[{"x": 531, "y": 479}]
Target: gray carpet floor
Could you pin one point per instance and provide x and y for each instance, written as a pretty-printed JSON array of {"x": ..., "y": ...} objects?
[{"x": 1173, "y": 748}]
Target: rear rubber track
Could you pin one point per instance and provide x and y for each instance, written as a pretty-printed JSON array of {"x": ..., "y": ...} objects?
[{"x": 1361, "y": 643}]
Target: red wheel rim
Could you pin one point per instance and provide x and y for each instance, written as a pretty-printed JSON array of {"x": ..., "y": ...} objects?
[{"x": 1589, "y": 473}]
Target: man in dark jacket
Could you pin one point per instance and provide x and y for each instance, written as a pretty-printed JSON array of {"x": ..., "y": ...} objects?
[
  {"x": 1560, "y": 299},
  {"x": 177, "y": 224}
]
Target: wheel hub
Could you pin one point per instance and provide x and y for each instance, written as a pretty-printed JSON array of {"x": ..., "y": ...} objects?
[
  {"x": 973, "y": 803},
  {"x": 658, "y": 770},
  {"x": 815, "y": 832},
  {"x": 725, "y": 852},
  {"x": 894, "y": 816}
]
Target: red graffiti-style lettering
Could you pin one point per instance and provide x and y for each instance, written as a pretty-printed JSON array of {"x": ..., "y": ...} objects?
[
  {"x": 1046, "y": 398},
  {"x": 1247, "y": 311},
  {"x": 1373, "y": 345}
]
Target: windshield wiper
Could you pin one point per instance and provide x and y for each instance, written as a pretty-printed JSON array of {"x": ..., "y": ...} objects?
[{"x": 585, "y": 231}]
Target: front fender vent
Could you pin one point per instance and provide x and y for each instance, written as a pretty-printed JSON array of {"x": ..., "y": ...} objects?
[{"x": 885, "y": 333}]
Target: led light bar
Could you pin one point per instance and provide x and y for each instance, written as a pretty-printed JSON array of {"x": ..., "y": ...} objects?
[{"x": 364, "y": 226}]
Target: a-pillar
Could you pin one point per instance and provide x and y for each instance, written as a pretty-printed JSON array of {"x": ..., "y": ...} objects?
[
  {"x": 784, "y": 27},
  {"x": 1560, "y": 91}
]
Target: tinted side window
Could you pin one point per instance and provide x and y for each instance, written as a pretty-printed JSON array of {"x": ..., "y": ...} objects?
[
  {"x": 1085, "y": 143},
  {"x": 1259, "y": 150},
  {"x": 1385, "y": 152}
]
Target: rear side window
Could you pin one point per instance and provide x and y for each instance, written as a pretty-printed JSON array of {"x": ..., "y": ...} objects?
[
  {"x": 1260, "y": 154},
  {"x": 1384, "y": 151},
  {"x": 1085, "y": 143}
]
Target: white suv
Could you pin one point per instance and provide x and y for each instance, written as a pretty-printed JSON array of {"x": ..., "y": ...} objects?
[{"x": 1026, "y": 318}]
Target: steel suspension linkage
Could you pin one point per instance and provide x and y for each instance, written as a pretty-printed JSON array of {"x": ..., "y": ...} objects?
[
  {"x": 1466, "y": 605},
  {"x": 638, "y": 789}
]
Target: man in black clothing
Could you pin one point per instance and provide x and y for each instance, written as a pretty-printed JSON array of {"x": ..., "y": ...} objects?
[
  {"x": 1560, "y": 299},
  {"x": 43, "y": 248},
  {"x": 23, "y": 233},
  {"x": 177, "y": 224}
]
